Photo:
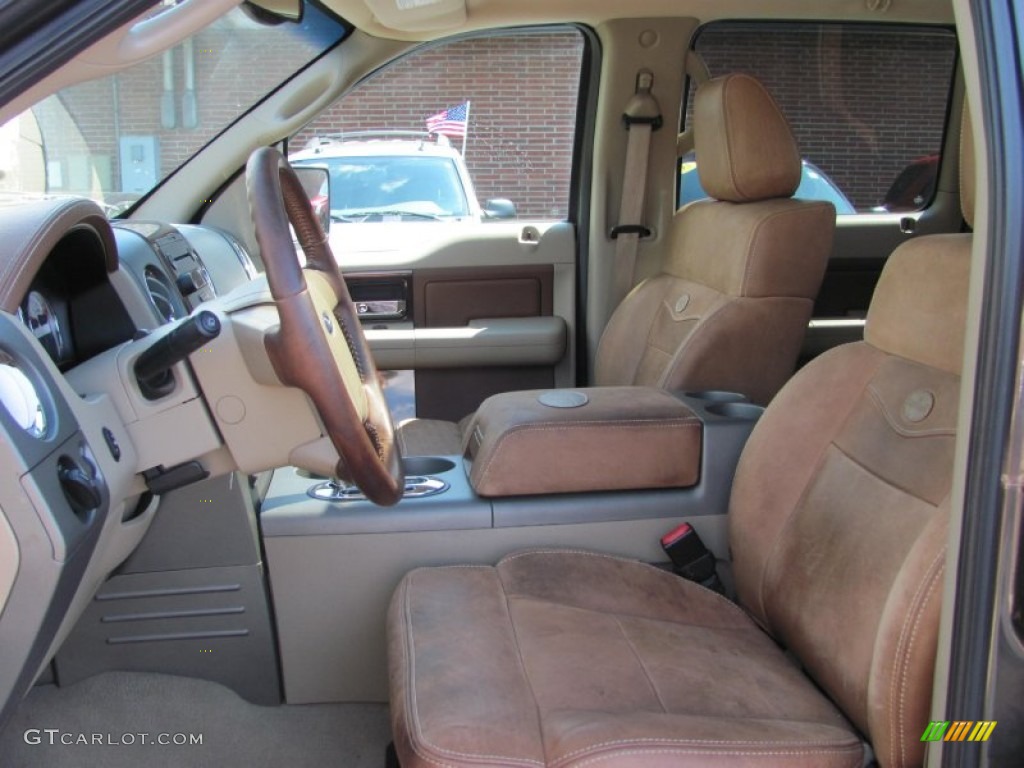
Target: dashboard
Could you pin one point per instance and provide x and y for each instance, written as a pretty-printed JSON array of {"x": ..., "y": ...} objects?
[
  {"x": 74, "y": 310},
  {"x": 83, "y": 452}
]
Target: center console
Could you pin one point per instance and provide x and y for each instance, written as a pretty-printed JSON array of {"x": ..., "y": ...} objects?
[{"x": 333, "y": 563}]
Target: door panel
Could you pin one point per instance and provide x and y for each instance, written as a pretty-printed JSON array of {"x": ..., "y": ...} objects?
[
  {"x": 469, "y": 292},
  {"x": 454, "y": 297}
]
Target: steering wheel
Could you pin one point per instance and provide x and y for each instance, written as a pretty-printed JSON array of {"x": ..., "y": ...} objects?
[{"x": 320, "y": 347}]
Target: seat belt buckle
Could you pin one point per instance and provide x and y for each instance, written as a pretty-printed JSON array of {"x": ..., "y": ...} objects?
[{"x": 690, "y": 558}]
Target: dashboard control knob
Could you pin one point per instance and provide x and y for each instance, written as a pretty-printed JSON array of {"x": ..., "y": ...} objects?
[
  {"x": 187, "y": 284},
  {"x": 80, "y": 489}
]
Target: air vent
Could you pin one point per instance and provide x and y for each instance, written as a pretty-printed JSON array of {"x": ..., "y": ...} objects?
[{"x": 161, "y": 293}]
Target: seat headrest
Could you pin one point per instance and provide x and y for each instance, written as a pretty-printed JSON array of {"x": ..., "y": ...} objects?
[
  {"x": 919, "y": 308},
  {"x": 968, "y": 182},
  {"x": 745, "y": 147}
]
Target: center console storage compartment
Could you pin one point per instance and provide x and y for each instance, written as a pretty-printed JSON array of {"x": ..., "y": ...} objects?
[{"x": 569, "y": 441}]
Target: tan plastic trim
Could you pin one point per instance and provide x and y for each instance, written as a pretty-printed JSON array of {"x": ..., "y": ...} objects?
[
  {"x": 264, "y": 424},
  {"x": 968, "y": 381},
  {"x": 10, "y": 560},
  {"x": 497, "y": 342},
  {"x": 489, "y": 14}
]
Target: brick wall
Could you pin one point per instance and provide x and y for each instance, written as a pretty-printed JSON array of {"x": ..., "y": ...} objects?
[
  {"x": 523, "y": 92},
  {"x": 227, "y": 81},
  {"x": 864, "y": 101}
]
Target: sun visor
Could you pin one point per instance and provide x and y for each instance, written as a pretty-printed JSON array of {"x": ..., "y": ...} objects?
[{"x": 418, "y": 15}]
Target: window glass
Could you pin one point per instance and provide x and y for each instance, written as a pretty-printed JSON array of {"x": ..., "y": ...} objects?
[
  {"x": 115, "y": 138},
  {"x": 867, "y": 103},
  {"x": 507, "y": 139}
]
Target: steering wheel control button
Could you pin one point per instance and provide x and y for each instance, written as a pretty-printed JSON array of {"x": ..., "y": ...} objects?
[
  {"x": 328, "y": 322},
  {"x": 563, "y": 398},
  {"x": 112, "y": 446}
]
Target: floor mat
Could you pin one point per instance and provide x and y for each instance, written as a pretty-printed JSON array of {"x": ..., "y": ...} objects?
[{"x": 130, "y": 719}]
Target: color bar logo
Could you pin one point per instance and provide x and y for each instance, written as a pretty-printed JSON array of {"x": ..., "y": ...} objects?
[{"x": 958, "y": 730}]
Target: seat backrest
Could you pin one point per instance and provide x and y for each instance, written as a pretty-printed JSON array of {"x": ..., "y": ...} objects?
[
  {"x": 838, "y": 516},
  {"x": 730, "y": 307}
]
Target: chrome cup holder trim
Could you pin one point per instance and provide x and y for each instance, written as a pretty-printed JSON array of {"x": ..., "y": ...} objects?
[{"x": 416, "y": 487}]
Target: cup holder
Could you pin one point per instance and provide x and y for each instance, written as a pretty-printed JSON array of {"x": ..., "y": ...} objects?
[
  {"x": 739, "y": 411},
  {"x": 414, "y": 466},
  {"x": 717, "y": 396},
  {"x": 427, "y": 465}
]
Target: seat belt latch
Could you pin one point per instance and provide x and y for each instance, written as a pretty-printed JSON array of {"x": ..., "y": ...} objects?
[{"x": 690, "y": 558}]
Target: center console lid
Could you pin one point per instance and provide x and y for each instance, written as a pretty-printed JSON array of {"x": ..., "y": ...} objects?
[{"x": 596, "y": 439}]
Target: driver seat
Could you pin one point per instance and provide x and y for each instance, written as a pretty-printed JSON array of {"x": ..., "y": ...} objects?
[{"x": 838, "y": 529}]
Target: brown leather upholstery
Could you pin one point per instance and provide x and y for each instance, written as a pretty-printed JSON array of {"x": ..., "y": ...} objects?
[
  {"x": 621, "y": 438},
  {"x": 569, "y": 658},
  {"x": 746, "y": 150},
  {"x": 730, "y": 308},
  {"x": 837, "y": 529}
]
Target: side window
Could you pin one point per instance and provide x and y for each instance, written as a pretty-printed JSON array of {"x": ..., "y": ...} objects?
[
  {"x": 438, "y": 136},
  {"x": 867, "y": 103}
]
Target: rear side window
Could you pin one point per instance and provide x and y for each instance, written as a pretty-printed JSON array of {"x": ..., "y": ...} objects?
[{"x": 867, "y": 102}]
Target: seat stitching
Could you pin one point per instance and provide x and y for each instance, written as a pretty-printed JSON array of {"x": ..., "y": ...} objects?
[
  {"x": 749, "y": 627},
  {"x": 674, "y": 422},
  {"x": 938, "y": 564},
  {"x": 661, "y": 574},
  {"x": 752, "y": 240},
  {"x": 696, "y": 742},
  {"x": 714, "y": 311},
  {"x": 522, "y": 667},
  {"x": 898, "y": 428},
  {"x": 640, "y": 661},
  {"x": 773, "y": 551},
  {"x": 885, "y": 481},
  {"x": 412, "y": 685},
  {"x": 715, "y": 752}
]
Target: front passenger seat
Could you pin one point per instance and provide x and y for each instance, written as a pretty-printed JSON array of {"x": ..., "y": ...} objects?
[
  {"x": 730, "y": 307},
  {"x": 838, "y": 530}
]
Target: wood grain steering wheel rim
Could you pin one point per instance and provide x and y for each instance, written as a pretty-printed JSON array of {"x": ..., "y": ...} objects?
[{"x": 320, "y": 347}]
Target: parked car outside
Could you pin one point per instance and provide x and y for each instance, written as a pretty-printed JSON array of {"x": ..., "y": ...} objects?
[
  {"x": 814, "y": 185},
  {"x": 389, "y": 177}
]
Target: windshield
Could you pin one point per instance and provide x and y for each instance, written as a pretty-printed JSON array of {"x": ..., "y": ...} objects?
[
  {"x": 116, "y": 138},
  {"x": 424, "y": 186}
]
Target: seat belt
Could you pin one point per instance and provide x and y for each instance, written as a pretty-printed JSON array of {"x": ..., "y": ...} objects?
[{"x": 641, "y": 117}]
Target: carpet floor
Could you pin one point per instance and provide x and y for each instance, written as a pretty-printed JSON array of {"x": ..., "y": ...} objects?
[{"x": 118, "y": 708}]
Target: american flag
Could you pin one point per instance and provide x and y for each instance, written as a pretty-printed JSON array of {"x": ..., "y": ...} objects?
[{"x": 452, "y": 122}]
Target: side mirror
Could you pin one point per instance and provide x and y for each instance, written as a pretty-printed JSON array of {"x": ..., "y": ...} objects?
[
  {"x": 499, "y": 208},
  {"x": 316, "y": 181}
]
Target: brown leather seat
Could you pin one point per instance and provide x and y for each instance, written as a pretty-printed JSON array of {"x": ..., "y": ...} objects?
[
  {"x": 730, "y": 307},
  {"x": 838, "y": 528}
]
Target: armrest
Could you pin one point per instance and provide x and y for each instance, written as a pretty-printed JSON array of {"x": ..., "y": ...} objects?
[
  {"x": 500, "y": 341},
  {"x": 615, "y": 438}
]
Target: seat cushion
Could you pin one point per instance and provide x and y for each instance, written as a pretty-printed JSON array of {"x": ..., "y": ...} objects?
[{"x": 571, "y": 658}]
